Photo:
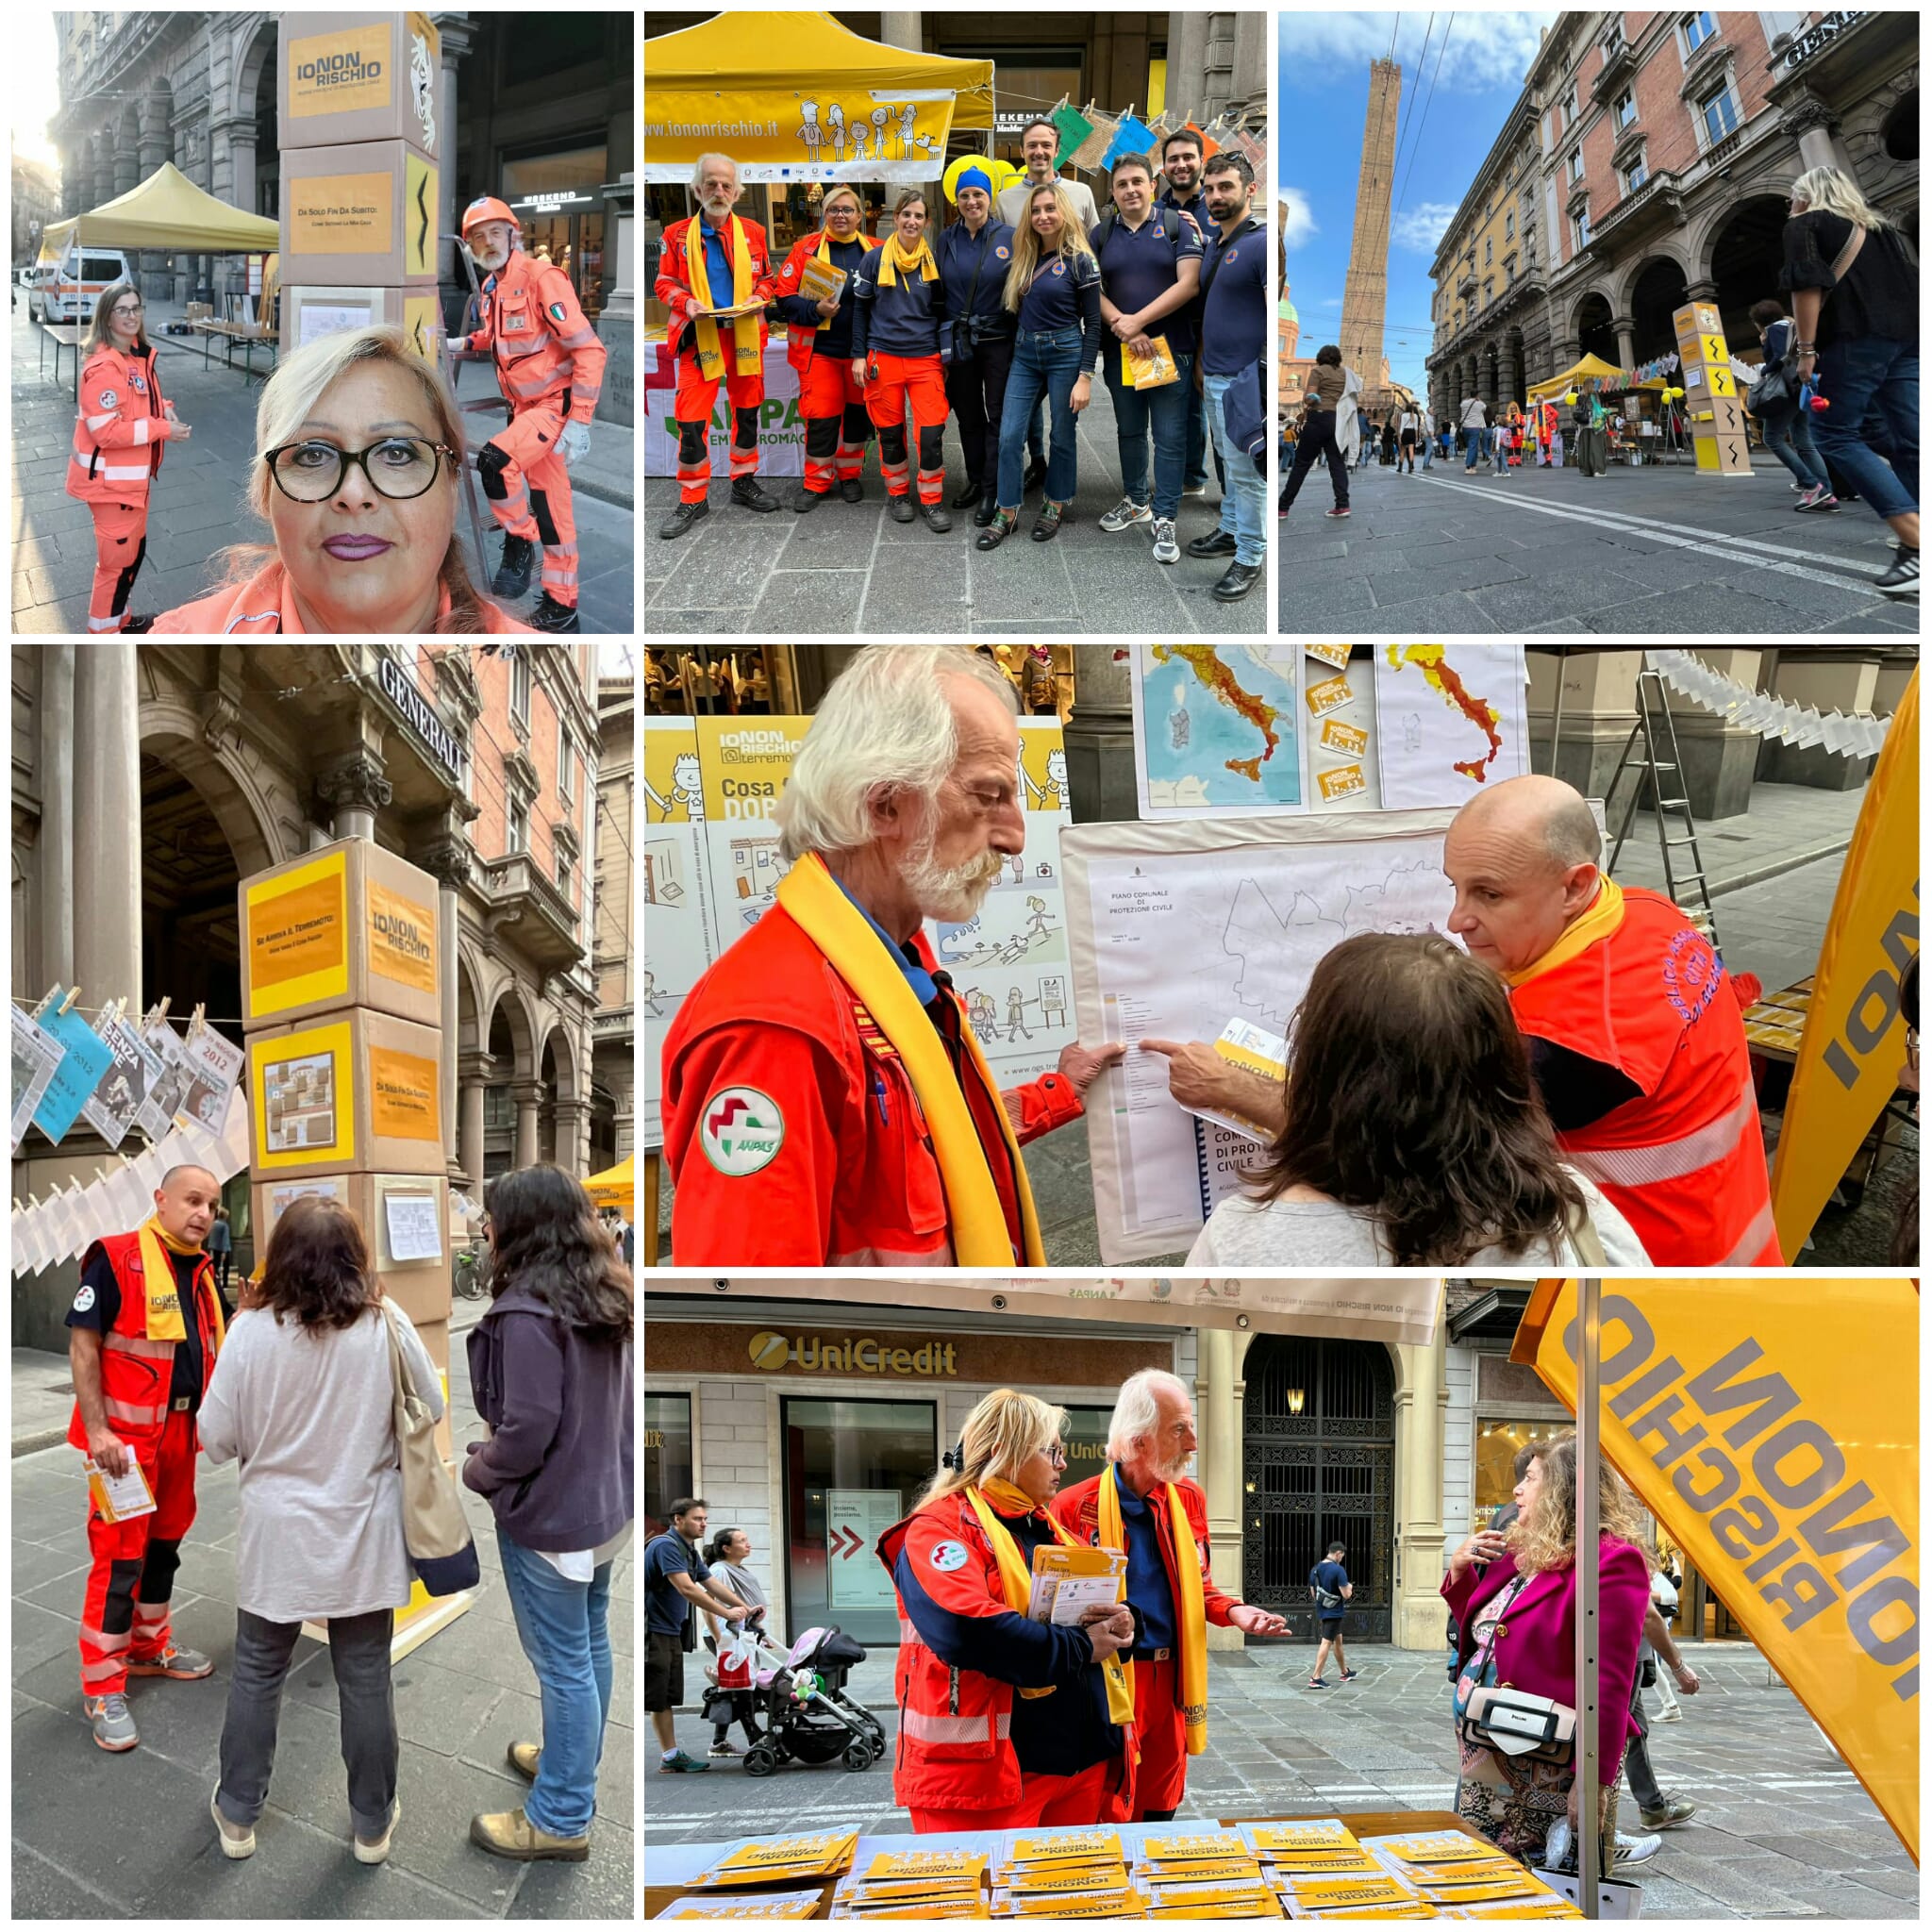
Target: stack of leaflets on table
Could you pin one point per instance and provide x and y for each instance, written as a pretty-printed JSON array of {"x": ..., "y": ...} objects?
[
  {"x": 925, "y": 1884},
  {"x": 1352, "y": 1895},
  {"x": 1067, "y": 1577},
  {"x": 1203, "y": 1875},
  {"x": 1308, "y": 1848},
  {"x": 779, "y": 1860},
  {"x": 758, "y": 1905},
  {"x": 1063, "y": 1874},
  {"x": 1450, "y": 1869}
]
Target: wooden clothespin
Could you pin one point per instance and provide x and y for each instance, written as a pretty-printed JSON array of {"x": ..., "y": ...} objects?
[
  {"x": 47, "y": 999},
  {"x": 198, "y": 1021},
  {"x": 67, "y": 1005}
]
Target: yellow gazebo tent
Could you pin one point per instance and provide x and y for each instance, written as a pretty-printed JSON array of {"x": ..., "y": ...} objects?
[
  {"x": 803, "y": 99},
  {"x": 167, "y": 211},
  {"x": 616, "y": 1187},
  {"x": 1590, "y": 368}
]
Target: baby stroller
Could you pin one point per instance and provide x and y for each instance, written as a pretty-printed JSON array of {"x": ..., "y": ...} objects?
[{"x": 800, "y": 1695}]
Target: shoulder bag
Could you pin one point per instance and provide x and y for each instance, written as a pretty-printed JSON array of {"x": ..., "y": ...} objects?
[
  {"x": 436, "y": 1533},
  {"x": 962, "y": 339},
  {"x": 1518, "y": 1723}
]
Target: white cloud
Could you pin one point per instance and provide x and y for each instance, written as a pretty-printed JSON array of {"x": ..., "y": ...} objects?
[
  {"x": 1484, "y": 51},
  {"x": 1422, "y": 226},
  {"x": 1301, "y": 220}
]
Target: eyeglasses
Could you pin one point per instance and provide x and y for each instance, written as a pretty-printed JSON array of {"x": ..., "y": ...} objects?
[
  {"x": 118, "y": 313},
  {"x": 398, "y": 467},
  {"x": 1055, "y": 1454}
]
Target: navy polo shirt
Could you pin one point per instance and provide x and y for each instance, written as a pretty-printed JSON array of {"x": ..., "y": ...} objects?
[
  {"x": 1140, "y": 265},
  {"x": 1053, "y": 299},
  {"x": 1234, "y": 313},
  {"x": 959, "y": 251},
  {"x": 923, "y": 988},
  {"x": 1149, "y": 1590},
  {"x": 902, "y": 320},
  {"x": 717, "y": 265}
]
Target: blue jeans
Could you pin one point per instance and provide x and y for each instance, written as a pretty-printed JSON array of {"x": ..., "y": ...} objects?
[
  {"x": 565, "y": 1628},
  {"x": 1788, "y": 436},
  {"x": 1046, "y": 363},
  {"x": 1478, "y": 441},
  {"x": 1428, "y": 452},
  {"x": 1858, "y": 376},
  {"x": 1163, "y": 410},
  {"x": 1243, "y": 488}
]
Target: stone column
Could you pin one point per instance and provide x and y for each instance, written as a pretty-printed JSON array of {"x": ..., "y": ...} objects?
[
  {"x": 1625, "y": 326},
  {"x": 153, "y": 152},
  {"x": 474, "y": 1070},
  {"x": 456, "y": 34},
  {"x": 571, "y": 1137},
  {"x": 1249, "y": 88},
  {"x": 357, "y": 790},
  {"x": 106, "y": 800},
  {"x": 1186, "y": 62},
  {"x": 1720, "y": 759},
  {"x": 1100, "y": 738},
  {"x": 1220, "y": 1466},
  {"x": 903, "y": 30},
  {"x": 1419, "y": 1405},
  {"x": 529, "y": 1098},
  {"x": 57, "y": 819}
]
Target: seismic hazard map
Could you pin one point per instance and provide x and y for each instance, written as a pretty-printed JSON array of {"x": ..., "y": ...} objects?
[
  {"x": 1452, "y": 720},
  {"x": 1214, "y": 728}
]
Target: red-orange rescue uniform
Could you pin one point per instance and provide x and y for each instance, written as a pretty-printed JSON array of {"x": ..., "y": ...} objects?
[
  {"x": 772, "y": 1032},
  {"x": 117, "y": 454},
  {"x": 152, "y": 1390},
  {"x": 831, "y": 400},
  {"x": 1637, "y": 1035},
  {"x": 1160, "y": 1731},
  {"x": 1003, "y": 1721}
]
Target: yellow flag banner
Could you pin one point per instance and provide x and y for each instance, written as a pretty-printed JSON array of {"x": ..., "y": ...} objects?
[
  {"x": 1853, "y": 1043},
  {"x": 1771, "y": 1427}
]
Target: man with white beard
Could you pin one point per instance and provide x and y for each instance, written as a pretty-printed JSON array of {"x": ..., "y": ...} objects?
[
  {"x": 1144, "y": 1502},
  {"x": 827, "y": 1103}
]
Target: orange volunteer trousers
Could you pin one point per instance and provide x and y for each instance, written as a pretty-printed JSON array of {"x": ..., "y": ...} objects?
[
  {"x": 696, "y": 398},
  {"x": 832, "y": 406},
  {"x": 1044, "y": 1799},
  {"x": 920, "y": 381},
  {"x": 120, "y": 548},
  {"x": 1162, "y": 1733},
  {"x": 526, "y": 485}
]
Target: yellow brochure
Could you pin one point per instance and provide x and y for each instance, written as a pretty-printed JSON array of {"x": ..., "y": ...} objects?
[
  {"x": 1149, "y": 371},
  {"x": 1301, "y": 1835},
  {"x": 1200, "y": 1844},
  {"x": 1064, "y": 1847},
  {"x": 1335, "y": 1895},
  {"x": 934, "y": 1864},
  {"x": 766, "y": 1904}
]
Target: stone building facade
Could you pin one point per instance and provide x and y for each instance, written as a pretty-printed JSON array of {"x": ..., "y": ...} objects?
[
  {"x": 1664, "y": 146},
  {"x": 149, "y": 780},
  {"x": 613, "y": 936}
]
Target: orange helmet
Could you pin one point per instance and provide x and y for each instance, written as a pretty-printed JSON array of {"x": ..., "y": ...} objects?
[{"x": 486, "y": 208}]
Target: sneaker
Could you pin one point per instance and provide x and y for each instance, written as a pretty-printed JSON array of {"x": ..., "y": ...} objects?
[
  {"x": 746, "y": 494},
  {"x": 113, "y": 1722},
  {"x": 1674, "y": 1811},
  {"x": 1813, "y": 497},
  {"x": 1341, "y": 509},
  {"x": 173, "y": 1662},
  {"x": 722, "y": 1751},
  {"x": 682, "y": 1760},
  {"x": 1902, "y": 579},
  {"x": 1349, "y": 1676},
  {"x": 1634, "y": 1851},
  {"x": 1318, "y": 1684},
  {"x": 373, "y": 1854},
  {"x": 1167, "y": 547},
  {"x": 237, "y": 1841},
  {"x": 682, "y": 518},
  {"x": 552, "y": 615},
  {"x": 1199, "y": 489},
  {"x": 1125, "y": 512}
]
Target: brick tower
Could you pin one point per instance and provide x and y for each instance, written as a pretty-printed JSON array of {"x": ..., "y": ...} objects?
[{"x": 1365, "y": 295}]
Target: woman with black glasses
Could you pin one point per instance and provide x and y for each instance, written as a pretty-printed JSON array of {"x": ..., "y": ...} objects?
[{"x": 360, "y": 450}]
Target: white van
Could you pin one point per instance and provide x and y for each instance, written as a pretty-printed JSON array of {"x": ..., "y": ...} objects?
[{"x": 67, "y": 286}]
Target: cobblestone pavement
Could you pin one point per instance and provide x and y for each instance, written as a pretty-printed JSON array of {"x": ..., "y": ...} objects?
[
  {"x": 849, "y": 570},
  {"x": 197, "y": 507},
  {"x": 1783, "y": 1829},
  {"x": 1651, "y": 551}
]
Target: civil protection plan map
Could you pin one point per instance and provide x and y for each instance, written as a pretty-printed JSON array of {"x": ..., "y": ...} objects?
[
  {"x": 1178, "y": 928},
  {"x": 1216, "y": 728}
]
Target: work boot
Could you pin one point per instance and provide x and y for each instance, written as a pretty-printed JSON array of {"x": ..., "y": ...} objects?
[
  {"x": 937, "y": 516},
  {"x": 901, "y": 507},
  {"x": 173, "y": 1662},
  {"x": 513, "y": 577},
  {"x": 746, "y": 494},
  {"x": 113, "y": 1722},
  {"x": 852, "y": 489},
  {"x": 135, "y": 626},
  {"x": 551, "y": 615},
  {"x": 804, "y": 499},
  {"x": 368, "y": 1853},
  {"x": 524, "y": 1758},
  {"x": 682, "y": 518},
  {"x": 510, "y": 1835},
  {"x": 237, "y": 1841}
]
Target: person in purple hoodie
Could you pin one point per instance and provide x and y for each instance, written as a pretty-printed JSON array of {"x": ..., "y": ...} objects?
[{"x": 550, "y": 1371}]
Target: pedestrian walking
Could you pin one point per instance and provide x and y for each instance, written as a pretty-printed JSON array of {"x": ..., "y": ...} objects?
[
  {"x": 1660, "y": 1809},
  {"x": 677, "y": 1584},
  {"x": 1782, "y": 412},
  {"x": 728, "y": 1553},
  {"x": 221, "y": 1251},
  {"x": 303, "y": 1402},
  {"x": 1329, "y": 1590},
  {"x": 1318, "y": 440},
  {"x": 1472, "y": 419},
  {"x": 973, "y": 254},
  {"x": 1406, "y": 432},
  {"x": 1508, "y": 443},
  {"x": 1389, "y": 440},
  {"x": 1428, "y": 438},
  {"x": 1854, "y": 282}
]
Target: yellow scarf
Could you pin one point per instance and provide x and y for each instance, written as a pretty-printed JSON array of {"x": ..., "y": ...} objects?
[
  {"x": 165, "y": 1320},
  {"x": 836, "y": 928},
  {"x": 896, "y": 259},
  {"x": 1192, "y": 1608},
  {"x": 823, "y": 253},
  {"x": 1603, "y": 916},
  {"x": 746, "y": 357},
  {"x": 1016, "y": 1580}
]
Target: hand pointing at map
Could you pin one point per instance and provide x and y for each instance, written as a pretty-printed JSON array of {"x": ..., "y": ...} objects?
[
  {"x": 1082, "y": 1065},
  {"x": 1198, "y": 1078}
]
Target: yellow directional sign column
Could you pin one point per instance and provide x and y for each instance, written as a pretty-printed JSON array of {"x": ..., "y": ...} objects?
[{"x": 1711, "y": 405}]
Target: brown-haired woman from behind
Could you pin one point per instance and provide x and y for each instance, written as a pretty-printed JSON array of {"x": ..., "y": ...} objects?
[{"x": 302, "y": 1400}]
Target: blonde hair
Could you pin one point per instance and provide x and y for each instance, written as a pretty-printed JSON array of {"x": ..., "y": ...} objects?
[
  {"x": 1833, "y": 192},
  {"x": 289, "y": 394},
  {"x": 1546, "y": 1538},
  {"x": 832, "y": 193},
  {"x": 1026, "y": 249},
  {"x": 100, "y": 335},
  {"x": 1002, "y": 1431}
]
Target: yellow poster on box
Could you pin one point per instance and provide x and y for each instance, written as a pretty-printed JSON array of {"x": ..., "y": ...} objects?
[
  {"x": 298, "y": 937},
  {"x": 403, "y": 1088},
  {"x": 1771, "y": 1427},
  {"x": 419, "y": 215},
  {"x": 340, "y": 214},
  {"x": 745, "y": 763},
  {"x": 332, "y": 73},
  {"x": 304, "y": 1110},
  {"x": 402, "y": 938},
  {"x": 421, "y": 322}
]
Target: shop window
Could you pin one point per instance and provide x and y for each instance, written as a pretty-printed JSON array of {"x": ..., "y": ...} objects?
[
  {"x": 668, "y": 1472},
  {"x": 1086, "y": 1444},
  {"x": 1496, "y": 1446},
  {"x": 852, "y": 1469},
  {"x": 1720, "y": 112}
]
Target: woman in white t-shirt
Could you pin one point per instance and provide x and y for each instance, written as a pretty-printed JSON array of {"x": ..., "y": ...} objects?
[{"x": 1413, "y": 1135}]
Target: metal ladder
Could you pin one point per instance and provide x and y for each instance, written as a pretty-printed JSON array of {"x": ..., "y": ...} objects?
[{"x": 1657, "y": 731}]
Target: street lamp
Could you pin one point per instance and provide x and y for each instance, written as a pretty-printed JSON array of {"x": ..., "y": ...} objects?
[{"x": 1294, "y": 1401}]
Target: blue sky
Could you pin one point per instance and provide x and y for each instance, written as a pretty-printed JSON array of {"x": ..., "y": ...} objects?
[{"x": 1442, "y": 137}]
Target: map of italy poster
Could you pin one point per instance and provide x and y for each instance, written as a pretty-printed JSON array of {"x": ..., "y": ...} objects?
[
  {"x": 1452, "y": 720},
  {"x": 1216, "y": 730}
]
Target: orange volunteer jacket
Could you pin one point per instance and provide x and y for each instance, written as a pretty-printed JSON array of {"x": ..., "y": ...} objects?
[
  {"x": 801, "y": 343},
  {"x": 120, "y": 430},
  {"x": 673, "y": 289},
  {"x": 1684, "y": 1161},
  {"x": 531, "y": 322},
  {"x": 264, "y": 607},
  {"x": 855, "y": 1181}
]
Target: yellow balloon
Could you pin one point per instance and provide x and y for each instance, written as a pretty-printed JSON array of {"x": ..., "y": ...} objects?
[
  {"x": 1570, "y": 397},
  {"x": 999, "y": 172}
]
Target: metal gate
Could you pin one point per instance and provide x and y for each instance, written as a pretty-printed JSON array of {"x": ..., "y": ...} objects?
[{"x": 1319, "y": 1467}]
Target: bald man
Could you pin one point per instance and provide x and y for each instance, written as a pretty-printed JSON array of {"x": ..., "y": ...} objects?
[
  {"x": 1635, "y": 1030},
  {"x": 144, "y": 1333}
]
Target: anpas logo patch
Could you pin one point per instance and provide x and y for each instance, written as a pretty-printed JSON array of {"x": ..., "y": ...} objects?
[{"x": 742, "y": 1131}]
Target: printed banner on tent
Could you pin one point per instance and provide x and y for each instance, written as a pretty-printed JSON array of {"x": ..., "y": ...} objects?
[
  {"x": 781, "y": 428},
  {"x": 1781, "y": 1453},
  {"x": 864, "y": 135}
]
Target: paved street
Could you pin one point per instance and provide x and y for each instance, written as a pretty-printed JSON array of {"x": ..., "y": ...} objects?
[
  {"x": 1652, "y": 552},
  {"x": 849, "y": 569},
  {"x": 97, "y": 1836},
  {"x": 197, "y": 504},
  {"x": 1783, "y": 1829}
]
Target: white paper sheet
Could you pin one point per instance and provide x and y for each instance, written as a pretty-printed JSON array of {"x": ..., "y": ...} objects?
[{"x": 415, "y": 1232}]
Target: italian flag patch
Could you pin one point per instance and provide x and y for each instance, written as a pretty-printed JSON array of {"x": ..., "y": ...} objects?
[{"x": 557, "y": 312}]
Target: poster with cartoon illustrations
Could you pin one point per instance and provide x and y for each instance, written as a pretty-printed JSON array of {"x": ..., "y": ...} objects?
[{"x": 678, "y": 943}]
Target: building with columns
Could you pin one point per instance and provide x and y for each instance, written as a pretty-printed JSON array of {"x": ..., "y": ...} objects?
[
  {"x": 613, "y": 937},
  {"x": 543, "y": 119},
  {"x": 1649, "y": 161},
  {"x": 150, "y": 779}
]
